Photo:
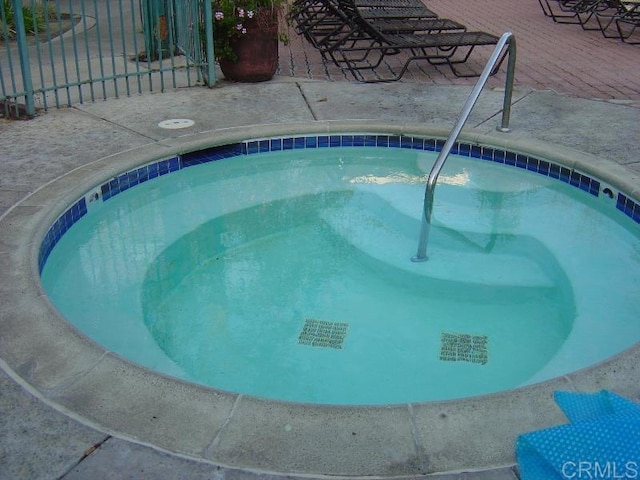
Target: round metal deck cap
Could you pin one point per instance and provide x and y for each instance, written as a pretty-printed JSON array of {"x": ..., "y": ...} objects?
[{"x": 176, "y": 123}]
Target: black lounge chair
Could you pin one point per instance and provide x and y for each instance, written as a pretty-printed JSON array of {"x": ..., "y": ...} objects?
[
  {"x": 437, "y": 49},
  {"x": 606, "y": 17},
  {"x": 626, "y": 17},
  {"x": 309, "y": 14},
  {"x": 322, "y": 24},
  {"x": 561, "y": 11},
  {"x": 627, "y": 23},
  {"x": 413, "y": 25},
  {"x": 401, "y": 9},
  {"x": 304, "y": 12},
  {"x": 392, "y": 15},
  {"x": 373, "y": 45},
  {"x": 579, "y": 12},
  {"x": 328, "y": 28}
]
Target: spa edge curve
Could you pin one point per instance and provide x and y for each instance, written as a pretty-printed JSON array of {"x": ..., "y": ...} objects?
[{"x": 52, "y": 360}]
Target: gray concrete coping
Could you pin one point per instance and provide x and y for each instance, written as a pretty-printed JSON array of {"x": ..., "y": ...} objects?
[{"x": 55, "y": 362}]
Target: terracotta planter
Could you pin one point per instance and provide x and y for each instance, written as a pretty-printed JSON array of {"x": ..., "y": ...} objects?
[{"x": 257, "y": 50}]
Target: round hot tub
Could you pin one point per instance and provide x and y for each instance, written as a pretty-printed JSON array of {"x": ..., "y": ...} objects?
[{"x": 262, "y": 291}]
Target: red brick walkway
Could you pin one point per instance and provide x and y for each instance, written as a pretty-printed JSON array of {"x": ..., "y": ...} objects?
[{"x": 551, "y": 56}]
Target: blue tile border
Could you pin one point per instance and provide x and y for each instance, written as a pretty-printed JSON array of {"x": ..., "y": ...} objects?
[
  {"x": 519, "y": 160},
  {"x": 142, "y": 174},
  {"x": 59, "y": 228},
  {"x": 628, "y": 207}
]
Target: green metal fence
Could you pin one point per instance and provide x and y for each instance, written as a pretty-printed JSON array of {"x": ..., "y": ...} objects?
[{"x": 62, "y": 52}]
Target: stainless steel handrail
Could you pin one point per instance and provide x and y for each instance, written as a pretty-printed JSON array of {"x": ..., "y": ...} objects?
[{"x": 507, "y": 39}]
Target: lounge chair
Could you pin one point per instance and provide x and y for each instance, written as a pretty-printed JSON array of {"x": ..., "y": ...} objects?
[
  {"x": 576, "y": 11},
  {"x": 324, "y": 25},
  {"x": 373, "y": 45},
  {"x": 305, "y": 12},
  {"x": 437, "y": 49},
  {"x": 308, "y": 14},
  {"x": 561, "y": 11},
  {"x": 394, "y": 15},
  {"x": 403, "y": 9},
  {"x": 627, "y": 23},
  {"x": 327, "y": 27},
  {"x": 603, "y": 11}
]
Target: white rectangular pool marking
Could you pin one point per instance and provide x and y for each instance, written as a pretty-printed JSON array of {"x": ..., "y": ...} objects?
[
  {"x": 462, "y": 347},
  {"x": 320, "y": 333}
]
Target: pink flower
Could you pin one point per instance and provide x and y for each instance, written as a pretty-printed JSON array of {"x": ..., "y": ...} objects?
[
  {"x": 241, "y": 13},
  {"x": 240, "y": 27},
  {"x": 219, "y": 15}
]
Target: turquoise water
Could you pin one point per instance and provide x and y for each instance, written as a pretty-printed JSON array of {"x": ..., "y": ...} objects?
[{"x": 288, "y": 276}]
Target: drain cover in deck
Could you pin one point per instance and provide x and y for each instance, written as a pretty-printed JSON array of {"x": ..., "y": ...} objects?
[
  {"x": 176, "y": 123},
  {"x": 320, "y": 333}
]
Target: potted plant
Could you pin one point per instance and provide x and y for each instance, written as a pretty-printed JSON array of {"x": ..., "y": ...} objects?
[{"x": 245, "y": 37}]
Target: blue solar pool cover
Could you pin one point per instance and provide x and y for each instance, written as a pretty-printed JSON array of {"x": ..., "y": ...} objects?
[{"x": 602, "y": 440}]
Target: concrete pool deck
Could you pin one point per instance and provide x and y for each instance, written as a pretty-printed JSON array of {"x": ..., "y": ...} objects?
[{"x": 68, "y": 410}]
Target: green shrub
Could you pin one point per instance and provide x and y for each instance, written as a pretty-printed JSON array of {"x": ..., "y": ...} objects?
[{"x": 34, "y": 19}]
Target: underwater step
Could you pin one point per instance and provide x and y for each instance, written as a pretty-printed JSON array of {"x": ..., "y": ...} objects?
[{"x": 379, "y": 230}]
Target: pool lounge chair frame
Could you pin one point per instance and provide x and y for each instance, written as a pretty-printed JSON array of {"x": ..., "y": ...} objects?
[
  {"x": 328, "y": 28},
  {"x": 607, "y": 12},
  {"x": 630, "y": 18},
  {"x": 579, "y": 12},
  {"x": 399, "y": 9},
  {"x": 436, "y": 49},
  {"x": 358, "y": 35},
  {"x": 307, "y": 13},
  {"x": 391, "y": 16},
  {"x": 374, "y": 45},
  {"x": 561, "y": 11}
]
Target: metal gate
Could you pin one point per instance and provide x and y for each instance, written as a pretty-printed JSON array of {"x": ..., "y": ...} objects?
[{"x": 61, "y": 52}]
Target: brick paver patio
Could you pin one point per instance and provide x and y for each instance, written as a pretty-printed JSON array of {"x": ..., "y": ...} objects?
[{"x": 551, "y": 56}]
